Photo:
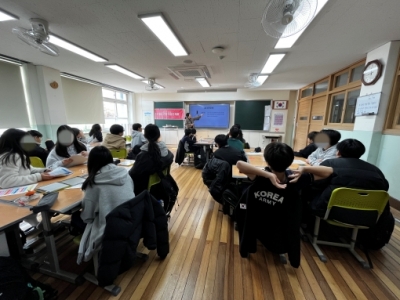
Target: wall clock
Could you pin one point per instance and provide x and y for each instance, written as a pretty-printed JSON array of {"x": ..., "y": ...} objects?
[
  {"x": 372, "y": 72},
  {"x": 283, "y": 104}
]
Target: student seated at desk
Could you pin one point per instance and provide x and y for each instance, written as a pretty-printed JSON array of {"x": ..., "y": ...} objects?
[
  {"x": 79, "y": 135},
  {"x": 193, "y": 136},
  {"x": 347, "y": 171},
  {"x": 310, "y": 148},
  {"x": 15, "y": 167},
  {"x": 38, "y": 151},
  {"x": 188, "y": 142},
  {"x": 106, "y": 187},
  {"x": 66, "y": 146},
  {"x": 95, "y": 135},
  {"x": 154, "y": 156},
  {"x": 114, "y": 139},
  {"x": 226, "y": 152},
  {"x": 233, "y": 140},
  {"x": 138, "y": 138},
  {"x": 326, "y": 142},
  {"x": 274, "y": 214}
]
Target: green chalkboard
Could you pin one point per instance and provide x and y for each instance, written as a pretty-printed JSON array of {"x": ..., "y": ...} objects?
[
  {"x": 250, "y": 114},
  {"x": 161, "y": 123}
]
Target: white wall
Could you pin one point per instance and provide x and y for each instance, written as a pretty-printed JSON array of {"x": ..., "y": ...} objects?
[{"x": 145, "y": 102}]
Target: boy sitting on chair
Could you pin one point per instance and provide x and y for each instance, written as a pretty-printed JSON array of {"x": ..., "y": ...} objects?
[{"x": 271, "y": 212}]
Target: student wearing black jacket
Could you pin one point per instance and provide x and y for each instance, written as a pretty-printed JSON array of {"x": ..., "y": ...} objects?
[
  {"x": 271, "y": 212},
  {"x": 38, "y": 151},
  {"x": 154, "y": 156},
  {"x": 310, "y": 148},
  {"x": 226, "y": 152},
  {"x": 216, "y": 175}
]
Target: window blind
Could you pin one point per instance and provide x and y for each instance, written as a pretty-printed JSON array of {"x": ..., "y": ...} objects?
[
  {"x": 13, "y": 107},
  {"x": 83, "y": 102}
]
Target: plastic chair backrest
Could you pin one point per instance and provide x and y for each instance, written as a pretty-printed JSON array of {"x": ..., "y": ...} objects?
[
  {"x": 118, "y": 153},
  {"x": 36, "y": 162},
  {"x": 128, "y": 138},
  {"x": 155, "y": 179},
  {"x": 356, "y": 199}
]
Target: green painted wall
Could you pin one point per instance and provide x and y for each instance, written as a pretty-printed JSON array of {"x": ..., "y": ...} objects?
[{"x": 389, "y": 162}]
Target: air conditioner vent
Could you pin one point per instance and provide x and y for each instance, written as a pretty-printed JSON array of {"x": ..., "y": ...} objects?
[{"x": 190, "y": 71}]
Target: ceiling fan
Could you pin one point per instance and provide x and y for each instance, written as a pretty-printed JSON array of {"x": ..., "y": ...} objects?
[
  {"x": 252, "y": 82},
  {"x": 152, "y": 85},
  {"x": 283, "y": 18},
  {"x": 37, "y": 36}
]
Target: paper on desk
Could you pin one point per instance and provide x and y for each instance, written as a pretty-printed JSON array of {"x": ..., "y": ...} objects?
[
  {"x": 60, "y": 172},
  {"x": 254, "y": 153},
  {"x": 299, "y": 162},
  {"x": 77, "y": 160},
  {"x": 17, "y": 190}
]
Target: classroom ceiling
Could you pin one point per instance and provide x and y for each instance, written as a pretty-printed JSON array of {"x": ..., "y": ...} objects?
[{"x": 341, "y": 34}]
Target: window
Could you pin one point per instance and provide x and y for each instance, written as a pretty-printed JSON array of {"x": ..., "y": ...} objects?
[
  {"x": 393, "y": 116},
  {"x": 341, "y": 79},
  {"x": 115, "y": 109},
  {"x": 321, "y": 87},
  {"x": 356, "y": 73},
  {"x": 307, "y": 92},
  {"x": 342, "y": 107}
]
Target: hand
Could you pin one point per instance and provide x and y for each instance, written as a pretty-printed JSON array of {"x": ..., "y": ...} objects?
[
  {"x": 307, "y": 161},
  {"x": 46, "y": 176},
  {"x": 67, "y": 161},
  {"x": 296, "y": 175},
  {"x": 275, "y": 181},
  {"x": 84, "y": 153}
]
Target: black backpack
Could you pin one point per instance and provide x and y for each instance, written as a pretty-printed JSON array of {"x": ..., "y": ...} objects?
[
  {"x": 378, "y": 236},
  {"x": 16, "y": 284},
  {"x": 167, "y": 190}
]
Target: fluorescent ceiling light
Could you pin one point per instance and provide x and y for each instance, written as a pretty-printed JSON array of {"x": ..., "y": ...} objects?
[
  {"x": 158, "y": 25},
  {"x": 156, "y": 84},
  {"x": 11, "y": 61},
  {"x": 203, "y": 82},
  {"x": 6, "y": 16},
  {"x": 124, "y": 71},
  {"x": 73, "y": 48},
  {"x": 261, "y": 79},
  {"x": 272, "y": 62},
  {"x": 289, "y": 41}
]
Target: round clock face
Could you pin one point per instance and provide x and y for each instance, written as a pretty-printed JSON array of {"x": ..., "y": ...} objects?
[{"x": 371, "y": 73}]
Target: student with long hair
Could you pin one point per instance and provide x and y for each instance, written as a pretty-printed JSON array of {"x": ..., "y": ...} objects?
[
  {"x": 95, "y": 135},
  {"x": 66, "y": 146},
  {"x": 154, "y": 156},
  {"x": 15, "y": 166},
  {"x": 106, "y": 187},
  {"x": 80, "y": 135}
]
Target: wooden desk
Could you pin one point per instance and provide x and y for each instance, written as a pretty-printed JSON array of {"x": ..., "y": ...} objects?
[
  {"x": 10, "y": 215},
  {"x": 206, "y": 143}
]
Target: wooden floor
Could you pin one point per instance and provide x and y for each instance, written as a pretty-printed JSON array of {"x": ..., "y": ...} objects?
[{"x": 204, "y": 263}]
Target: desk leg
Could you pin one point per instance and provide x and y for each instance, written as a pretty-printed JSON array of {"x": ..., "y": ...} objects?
[{"x": 52, "y": 266}]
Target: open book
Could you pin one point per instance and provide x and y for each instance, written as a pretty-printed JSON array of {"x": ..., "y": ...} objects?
[{"x": 77, "y": 159}]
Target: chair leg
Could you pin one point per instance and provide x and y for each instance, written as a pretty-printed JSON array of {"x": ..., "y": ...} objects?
[
  {"x": 314, "y": 240},
  {"x": 364, "y": 264},
  {"x": 282, "y": 258},
  {"x": 113, "y": 289}
]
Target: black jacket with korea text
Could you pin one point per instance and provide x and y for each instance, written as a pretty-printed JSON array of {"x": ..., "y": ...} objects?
[{"x": 273, "y": 217}]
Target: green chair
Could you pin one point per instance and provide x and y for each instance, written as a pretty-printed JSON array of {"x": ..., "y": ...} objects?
[
  {"x": 155, "y": 179},
  {"x": 121, "y": 153},
  {"x": 350, "y": 208},
  {"x": 36, "y": 162}
]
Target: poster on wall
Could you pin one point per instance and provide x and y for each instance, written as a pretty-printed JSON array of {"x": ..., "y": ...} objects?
[
  {"x": 169, "y": 114},
  {"x": 147, "y": 118},
  {"x": 278, "y": 123}
]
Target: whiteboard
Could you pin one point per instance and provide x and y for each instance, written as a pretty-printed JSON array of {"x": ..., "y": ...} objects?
[{"x": 368, "y": 105}]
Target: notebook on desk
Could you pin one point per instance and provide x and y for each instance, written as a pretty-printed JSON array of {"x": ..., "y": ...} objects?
[
  {"x": 73, "y": 181},
  {"x": 57, "y": 186}
]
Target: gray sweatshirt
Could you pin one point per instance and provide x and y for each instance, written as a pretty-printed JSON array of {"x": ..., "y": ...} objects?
[
  {"x": 113, "y": 187},
  {"x": 137, "y": 138},
  {"x": 319, "y": 155}
]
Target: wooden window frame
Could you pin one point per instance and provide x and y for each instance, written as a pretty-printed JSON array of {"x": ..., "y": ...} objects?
[
  {"x": 305, "y": 88},
  {"x": 393, "y": 111},
  {"x": 341, "y": 125},
  {"x": 324, "y": 92},
  {"x": 362, "y": 63}
]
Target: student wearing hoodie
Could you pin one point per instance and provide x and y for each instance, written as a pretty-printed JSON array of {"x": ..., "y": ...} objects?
[
  {"x": 114, "y": 139},
  {"x": 106, "y": 187},
  {"x": 138, "y": 138},
  {"x": 153, "y": 156}
]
